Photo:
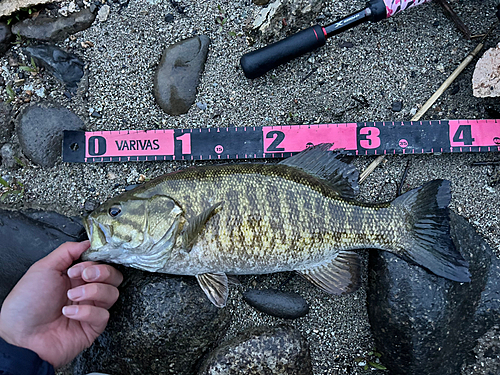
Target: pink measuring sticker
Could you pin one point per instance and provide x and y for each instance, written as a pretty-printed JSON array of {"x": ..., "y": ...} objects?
[
  {"x": 129, "y": 143},
  {"x": 297, "y": 138},
  {"x": 475, "y": 133}
]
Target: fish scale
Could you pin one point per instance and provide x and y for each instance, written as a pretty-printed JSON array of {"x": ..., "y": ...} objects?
[{"x": 298, "y": 215}]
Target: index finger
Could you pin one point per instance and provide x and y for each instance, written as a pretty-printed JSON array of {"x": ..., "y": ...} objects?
[
  {"x": 92, "y": 272},
  {"x": 62, "y": 257}
]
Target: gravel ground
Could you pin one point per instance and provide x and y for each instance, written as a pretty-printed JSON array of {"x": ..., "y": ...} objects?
[{"x": 404, "y": 58}]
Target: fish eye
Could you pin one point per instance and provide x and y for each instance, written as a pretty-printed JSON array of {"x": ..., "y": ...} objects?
[{"x": 114, "y": 211}]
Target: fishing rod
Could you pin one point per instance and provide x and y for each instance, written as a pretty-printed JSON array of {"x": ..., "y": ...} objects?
[{"x": 259, "y": 62}]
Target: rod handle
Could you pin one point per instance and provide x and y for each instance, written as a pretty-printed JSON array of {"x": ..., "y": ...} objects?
[{"x": 259, "y": 62}]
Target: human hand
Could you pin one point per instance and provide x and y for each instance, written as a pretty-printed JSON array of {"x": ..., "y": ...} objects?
[{"x": 58, "y": 312}]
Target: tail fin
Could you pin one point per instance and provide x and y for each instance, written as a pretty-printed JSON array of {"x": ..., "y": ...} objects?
[{"x": 428, "y": 243}]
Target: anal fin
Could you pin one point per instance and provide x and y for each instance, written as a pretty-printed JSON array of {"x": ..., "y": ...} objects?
[
  {"x": 215, "y": 287},
  {"x": 341, "y": 275}
]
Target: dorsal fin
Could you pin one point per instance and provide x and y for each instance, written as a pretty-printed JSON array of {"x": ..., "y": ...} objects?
[
  {"x": 341, "y": 275},
  {"x": 342, "y": 177}
]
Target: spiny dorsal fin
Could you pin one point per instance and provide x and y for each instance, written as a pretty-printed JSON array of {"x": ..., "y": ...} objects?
[
  {"x": 342, "y": 177},
  {"x": 196, "y": 225},
  {"x": 341, "y": 275},
  {"x": 215, "y": 287}
]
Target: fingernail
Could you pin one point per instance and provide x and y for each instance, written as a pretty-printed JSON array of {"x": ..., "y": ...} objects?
[
  {"x": 75, "y": 293},
  {"x": 70, "y": 310},
  {"x": 74, "y": 272},
  {"x": 91, "y": 273}
]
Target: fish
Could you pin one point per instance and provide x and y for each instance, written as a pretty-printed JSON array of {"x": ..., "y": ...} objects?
[{"x": 218, "y": 221}]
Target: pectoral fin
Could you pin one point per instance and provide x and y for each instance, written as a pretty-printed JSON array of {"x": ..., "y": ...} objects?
[
  {"x": 196, "y": 225},
  {"x": 215, "y": 287},
  {"x": 339, "y": 276}
]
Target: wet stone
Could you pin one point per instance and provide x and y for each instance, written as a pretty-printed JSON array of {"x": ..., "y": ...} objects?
[
  {"x": 270, "y": 351},
  {"x": 286, "y": 305},
  {"x": 40, "y": 131},
  {"x": 65, "y": 66},
  {"x": 178, "y": 74},
  {"x": 159, "y": 325},
  {"x": 28, "y": 236},
  {"x": 54, "y": 29},
  {"x": 425, "y": 324}
]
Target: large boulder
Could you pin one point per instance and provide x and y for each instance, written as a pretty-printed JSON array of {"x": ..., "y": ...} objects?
[
  {"x": 271, "y": 351},
  {"x": 28, "y": 236},
  {"x": 425, "y": 324},
  {"x": 40, "y": 129},
  {"x": 160, "y": 325}
]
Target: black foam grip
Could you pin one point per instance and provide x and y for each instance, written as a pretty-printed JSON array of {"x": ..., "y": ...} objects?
[{"x": 259, "y": 62}]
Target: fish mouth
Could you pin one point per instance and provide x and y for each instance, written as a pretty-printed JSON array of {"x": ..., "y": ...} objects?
[
  {"x": 99, "y": 235},
  {"x": 87, "y": 224}
]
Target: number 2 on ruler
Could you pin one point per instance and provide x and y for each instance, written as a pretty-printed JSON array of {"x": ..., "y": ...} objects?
[{"x": 185, "y": 142}]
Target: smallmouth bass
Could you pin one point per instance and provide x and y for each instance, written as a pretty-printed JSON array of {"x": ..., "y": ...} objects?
[{"x": 298, "y": 215}]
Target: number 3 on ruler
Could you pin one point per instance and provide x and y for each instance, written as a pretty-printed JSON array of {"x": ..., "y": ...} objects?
[
  {"x": 371, "y": 137},
  {"x": 185, "y": 143}
]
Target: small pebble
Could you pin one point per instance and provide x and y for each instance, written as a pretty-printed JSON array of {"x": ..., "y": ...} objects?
[
  {"x": 103, "y": 13},
  {"x": 202, "y": 106},
  {"x": 169, "y": 18},
  {"x": 90, "y": 205},
  {"x": 455, "y": 89},
  {"x": 397, "y": 106},
  {"x": 346, "y": 45}
]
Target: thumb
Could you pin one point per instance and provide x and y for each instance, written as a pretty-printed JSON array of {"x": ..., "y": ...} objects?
[{"x": 64, "y": 256}]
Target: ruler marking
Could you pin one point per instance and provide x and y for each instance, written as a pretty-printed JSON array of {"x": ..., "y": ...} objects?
[{"x": 392, "y": 137}]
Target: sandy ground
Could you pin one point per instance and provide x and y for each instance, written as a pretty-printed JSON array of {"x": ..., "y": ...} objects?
[{"x": 404, "y": 58}]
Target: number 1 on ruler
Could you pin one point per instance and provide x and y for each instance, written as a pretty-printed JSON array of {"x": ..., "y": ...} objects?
[{"x": 185, "y": 143}]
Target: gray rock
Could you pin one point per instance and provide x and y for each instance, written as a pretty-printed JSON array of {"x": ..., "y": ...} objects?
[
  {"x": 286, "y": 305},
  {"x": 5, "y": 37},
  {"x": 267, "y": 23},
  {"x": 40, "y": 131},
  {"x": 6, "y": 125},
  {"x": 8, "y": 155},
  {"x": 103, "y": 13},
  {"x": 178, "y": 74},
  {"x": 160, "y": 325},
  {"x": 269, "y": 351},
  {"x": 27, "y": 237},
  {"x": 424, "y": 324},
  {"x": 54, "y": 29},
  {"x": 63, "y": 65}
]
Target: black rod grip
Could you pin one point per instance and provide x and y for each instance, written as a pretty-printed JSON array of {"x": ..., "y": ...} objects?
[{"x": 259, "y": 62}]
